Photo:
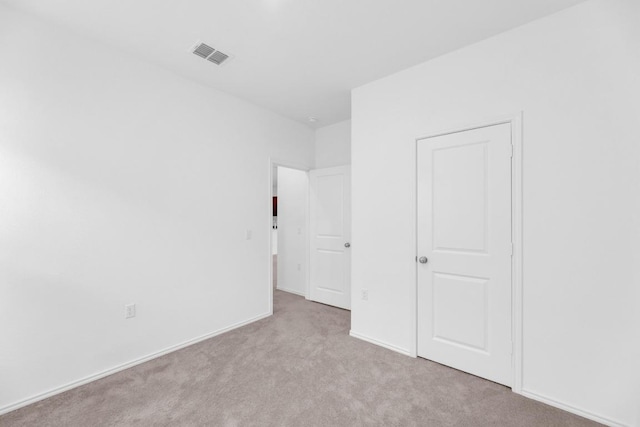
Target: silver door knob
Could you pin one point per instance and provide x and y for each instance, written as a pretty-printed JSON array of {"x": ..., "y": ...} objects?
[
  {"x": 423, "y": 260},
  {"x": 347, "y": 245}
]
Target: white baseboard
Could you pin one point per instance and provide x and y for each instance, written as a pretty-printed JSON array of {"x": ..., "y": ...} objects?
[
  {"x": 530, "y": 395},
  {"x": 122, "y": 367},
  {"x": 380, "y": 343},
  {"x": 291, "y": 291},
  {"x": 586, "y": 414}
]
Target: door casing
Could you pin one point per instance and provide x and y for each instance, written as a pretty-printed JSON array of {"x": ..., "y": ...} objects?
[{"x": 515, "y": 120}]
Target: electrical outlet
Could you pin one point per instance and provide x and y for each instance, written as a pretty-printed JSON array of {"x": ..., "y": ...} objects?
[
  {"x": 247, "y": 234},
  {"x": 365, "y": 295},
  {"x": 129, "y": 311}
]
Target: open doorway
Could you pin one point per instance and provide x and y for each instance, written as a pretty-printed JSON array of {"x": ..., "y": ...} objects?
[
  {"x": 289, "y": 229},
  {"x": 274, "y": 227},
  {"x": 309, "y": 223}
]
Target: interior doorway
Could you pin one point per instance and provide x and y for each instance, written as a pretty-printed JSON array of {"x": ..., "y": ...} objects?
[
  {"x": 289, "y": 229},
  {"x": 274, "y": 227},
  {"x": 310, "y": 230}
]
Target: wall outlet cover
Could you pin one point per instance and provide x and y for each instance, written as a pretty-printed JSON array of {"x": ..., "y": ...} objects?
[{"x": 130, "y": 311}]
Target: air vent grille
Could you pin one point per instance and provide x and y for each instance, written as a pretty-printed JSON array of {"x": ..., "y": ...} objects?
[
  {"x": 203, "y": 50},
  {"x": 210, "y": 54},
  {"x": 218, "y": 57}
]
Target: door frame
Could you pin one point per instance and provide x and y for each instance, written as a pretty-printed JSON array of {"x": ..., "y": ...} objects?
[
  {"x": 274, "y": 162},
  {"x": 516, "y": 122}
]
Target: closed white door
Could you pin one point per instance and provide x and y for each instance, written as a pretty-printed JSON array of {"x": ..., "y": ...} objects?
[
  {"x": 464, "y": 250},
  {"x": 330, "y": 226}
]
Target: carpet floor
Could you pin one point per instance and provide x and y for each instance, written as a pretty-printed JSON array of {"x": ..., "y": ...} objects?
[{"x": 297, "y": 368}]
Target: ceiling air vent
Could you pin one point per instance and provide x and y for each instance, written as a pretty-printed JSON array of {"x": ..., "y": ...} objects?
[
  {"x": 218, "y": 57},
  {"x": 210, "y": 54}
]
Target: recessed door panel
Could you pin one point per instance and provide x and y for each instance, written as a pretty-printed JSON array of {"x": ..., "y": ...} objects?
[
  {"x": 330, "y": 205},
  {"x": 452, "y": 296},
  {"x": 330, "y": 274},
  {"x": 460, "y": 198}
]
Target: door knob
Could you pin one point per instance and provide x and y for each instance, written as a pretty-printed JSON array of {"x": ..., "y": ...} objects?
[
  {"x": 347, "y": 245},
  {"x": 423, "y": 260}
]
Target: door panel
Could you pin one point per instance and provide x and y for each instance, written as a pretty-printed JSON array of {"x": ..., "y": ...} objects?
[
  {"x": 330, "y": 223},
  {"x": 464, "y": 230},
  {"x": 460, "y": 198},
  {"x": 330, "y": 205},
  {"x": 454, "y": 294}
]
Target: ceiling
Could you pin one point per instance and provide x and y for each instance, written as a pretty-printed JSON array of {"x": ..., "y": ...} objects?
[{"x": 299, "y": 58}]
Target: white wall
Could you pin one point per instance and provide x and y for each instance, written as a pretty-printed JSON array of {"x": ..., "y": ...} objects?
[
  {"x": 333, "y": 145},
  {"x": 110, "y": 173},
  {"x": 293, "y": 190},
  {"x": 575, "y": 75},
  {"x": 274, "y": 241}
]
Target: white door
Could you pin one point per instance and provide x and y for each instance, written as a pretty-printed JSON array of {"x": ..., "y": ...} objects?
[
  {"x": 464, "y": 246},
  {"x": 330, "y": 226}
]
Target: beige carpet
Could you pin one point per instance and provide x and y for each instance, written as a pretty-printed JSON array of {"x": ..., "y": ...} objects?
[{"x": 296, "y": 368}]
